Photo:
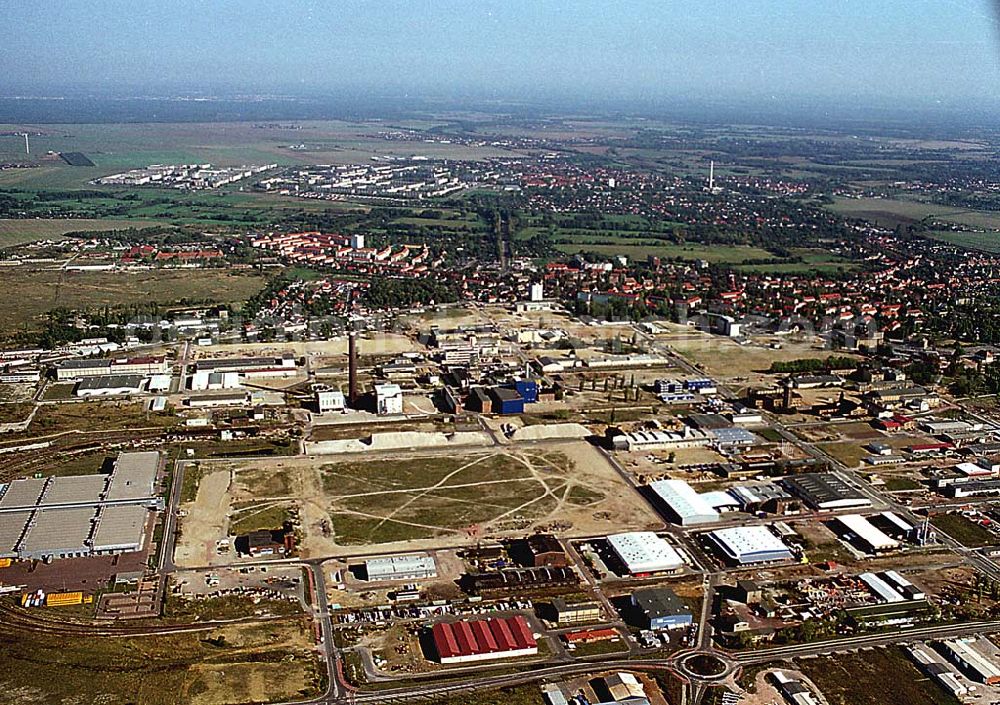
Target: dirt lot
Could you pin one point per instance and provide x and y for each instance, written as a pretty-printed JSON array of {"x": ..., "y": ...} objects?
[{"x": 420, "y": 501}]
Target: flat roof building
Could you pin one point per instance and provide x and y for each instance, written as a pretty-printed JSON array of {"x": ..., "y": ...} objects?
[
  {"x": 744, "y": 545},
  {"x": 643, "y": 552},
  {"x": 684, "y": 506},
  {"x": 410, "y": 566},
  {"x": 826, "y": 490},
  {"x": 871, "y": 537},
  {"x": 108, "y": 385},
  {"x": 661, "y": 608}
]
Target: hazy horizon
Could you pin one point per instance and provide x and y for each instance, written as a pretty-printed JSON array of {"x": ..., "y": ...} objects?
[{"x": 638, "y": 52}]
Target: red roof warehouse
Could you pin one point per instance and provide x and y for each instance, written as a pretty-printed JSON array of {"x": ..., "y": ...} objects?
[{"x": 483, "y": 639}]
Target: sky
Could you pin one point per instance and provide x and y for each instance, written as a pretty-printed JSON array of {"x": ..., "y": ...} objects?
[{"x": 917, "y": 51}]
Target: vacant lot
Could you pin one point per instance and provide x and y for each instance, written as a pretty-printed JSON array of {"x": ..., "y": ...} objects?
[
  {"x": 237, "y": 664},
  {"x": 19, "y": 232},
  {"x": 29, "y": 294},
  {"x": 722, "y": 253},
  {"x": 963, "y": 530},
  {"x": 417, "y": 500},
  {"x": 879, "y": 677}
]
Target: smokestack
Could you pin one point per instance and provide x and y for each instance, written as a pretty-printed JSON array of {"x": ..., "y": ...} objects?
[
  {"x": 27, "y": 147},
  {"x": 711, "y": 175},
  {"x": 352, "y": 368}
]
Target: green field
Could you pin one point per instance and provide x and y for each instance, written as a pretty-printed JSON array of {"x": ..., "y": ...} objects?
[
  {"x": 30, "y": 293},
  {"x": 987, "y": 242},
  {"x": 877, "y": 677},
  {"x": 966, "y": 532},
  {"x": 709, "y": 253},
  {"x": 890, "y": 211},
  {"x": 226, "y": 666},
  {"x": 20, "y": 232}
]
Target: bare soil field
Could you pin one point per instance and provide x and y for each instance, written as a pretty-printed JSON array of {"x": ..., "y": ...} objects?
[{"x": 418, "y": 500}]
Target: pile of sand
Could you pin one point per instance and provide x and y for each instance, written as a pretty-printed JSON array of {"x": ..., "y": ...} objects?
[{"x": 543, "y": 432}]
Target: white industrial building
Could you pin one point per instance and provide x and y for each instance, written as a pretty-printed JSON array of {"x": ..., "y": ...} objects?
[
  {"x": 109, "y": 385},
  {"x": 745, "y": 545},
  {"x": 410, "y": 566},
  {"x": 643, "y": 552},
  {"x": 652, "y": 440},
  {"x": 963, "y": 653},
  {"x": 328, "y": 400},
  {"x": 205, "y": 380},
  {"x": 685, "y": 506},
  {"x": 388, "y": 399},
  {"x": 869, "y": 535}
]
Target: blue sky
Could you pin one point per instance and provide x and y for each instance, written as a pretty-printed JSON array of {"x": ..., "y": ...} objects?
[{"x": 920, "y": 50}]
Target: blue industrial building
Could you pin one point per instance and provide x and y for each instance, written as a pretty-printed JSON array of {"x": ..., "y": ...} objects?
[
  {"x": 528, "y": 389},
  {"x": 506, "y": 401},
  {"x": 660, "y": 608}
]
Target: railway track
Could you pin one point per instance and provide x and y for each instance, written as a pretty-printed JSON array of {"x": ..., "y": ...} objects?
[{"x": 32, "y": 620}]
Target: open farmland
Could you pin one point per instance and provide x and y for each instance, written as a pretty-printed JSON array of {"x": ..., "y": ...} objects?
[
  {"x": 15, "y": 232},
  {"x": 234, "y": 664},
  {"x": 421, "y": 500},
  {"x": 31, "y": 293}
]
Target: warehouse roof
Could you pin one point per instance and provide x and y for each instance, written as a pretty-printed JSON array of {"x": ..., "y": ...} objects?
[
  {"x": 22, "y": 493},
  {"x": 826, "y": 490},
  {"x": 408, "y": 563},
  {"x": 482, "y": 636},
  {"x": 645, "y": 552},
  {"x": 134, "y": 475},
  {"x": 74, "y": 489},
  {"x": 11, "y": 528},
  {"x": 120, "y": 526},
  {"x": 748, "y": 544},
  {"x": 109, "y": 382},
  {"x": 687, "y": 504},
  {"x": 660, "y": 602},
  {"x": 59, "y": 531},
  {"x": 873, "y": 536}
]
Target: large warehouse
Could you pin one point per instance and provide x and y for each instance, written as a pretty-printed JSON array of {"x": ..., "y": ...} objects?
[
  {"x": 826, "y": 490},
  {"x": 744, "y": 545},
  {"x": 483, "y": 639},
  {"x": 661, "y": 608},
  {"x": 109, "y": 385},
  {"x": 84, "y": 515},
  {"x": 643, "y": 552},
  {"x": 682, "y": 504},
  {"x": 411, "y": 566},
  {"x": 870, "y": 537}
]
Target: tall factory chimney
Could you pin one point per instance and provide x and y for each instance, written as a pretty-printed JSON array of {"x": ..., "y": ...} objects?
[{"x": 352, "y": 368}]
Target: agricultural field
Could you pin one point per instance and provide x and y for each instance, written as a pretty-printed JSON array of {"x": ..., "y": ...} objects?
[
  {"x": 890, "y": 212},
  {"x": 716, "y": 254},
  {"x": 15, "y": 232},
  {"x": 876, "y": 677},
  {"x": 30, "y": 293},
  {"x": 229, "y": 665},
  {"x": 985, "y": 241},
  {"x": 420, "y": 500}
]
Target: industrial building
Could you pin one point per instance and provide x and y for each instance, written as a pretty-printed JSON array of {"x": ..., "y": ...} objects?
[
  {"x": 64, "y": 517},
  {"x": 283, "y": 366},
  {"x": 411, "y": 566},
  {"x": 328, "y": 400},
  {"x": 863, "y": 532},
  {"x": 654, "y": 440},
  {"x": 576, "y": 613},
  {"x": 68, "y": 370},
  {"x": 644, "y": 553},
  {"x": 109, "y": 385},
  {"x": 468, "y": 641},
  {"x": 795, "y": 691},
  {"x": 826, "y": 490},
  {"x": 744, "y": 545},
  {"x": 388, "y": 399},
  {"x": 682, "y": 504},
  {"x": 660, "y": 608},
  {"x": 968, "y": 655}
]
